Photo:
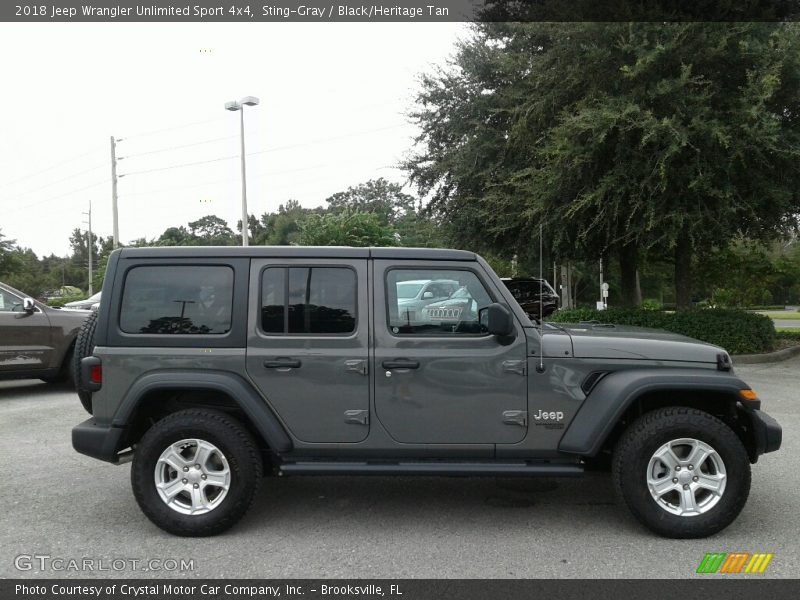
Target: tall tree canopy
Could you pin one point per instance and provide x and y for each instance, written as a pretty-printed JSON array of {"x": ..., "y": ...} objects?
[
  {"x": 617, "y": 137},
  {"x": 346, "y": 228},
  {"x": 384, "y": 199}
]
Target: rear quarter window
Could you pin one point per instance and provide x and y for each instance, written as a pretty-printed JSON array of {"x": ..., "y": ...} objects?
[{"x": 177, "y": 300}]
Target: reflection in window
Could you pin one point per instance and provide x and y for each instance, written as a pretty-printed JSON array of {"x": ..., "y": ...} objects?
[
  {"x": 177, "y": 300},
  {"x": 443, "y": 302},
  {"x": 9, "y": 302},
  {"x": 308, "y": 300}
]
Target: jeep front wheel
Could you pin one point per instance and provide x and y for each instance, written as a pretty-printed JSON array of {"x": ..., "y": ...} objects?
[
  {"x": 682, "y": 472},
  {"x": 196, "y": 472}
]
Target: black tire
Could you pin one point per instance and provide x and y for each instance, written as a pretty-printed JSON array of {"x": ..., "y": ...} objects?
[
  {"x": 65, "y": 372},
  {"x": 84, "y": 346},
  {"x": 638, "y": 445},
  {"x": 232, "y": 439}
]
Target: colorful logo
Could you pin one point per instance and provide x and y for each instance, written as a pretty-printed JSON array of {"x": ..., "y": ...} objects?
[{"x": 734, "y": 562}]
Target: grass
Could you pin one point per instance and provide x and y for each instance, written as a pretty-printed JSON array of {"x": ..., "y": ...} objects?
[{"x": 783, "y": 316}]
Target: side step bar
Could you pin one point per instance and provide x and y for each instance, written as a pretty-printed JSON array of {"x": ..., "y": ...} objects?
[{"x": 462, "y": 469}]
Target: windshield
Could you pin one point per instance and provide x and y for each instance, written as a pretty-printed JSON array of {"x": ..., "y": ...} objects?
[
  {"x": 408, "y": 290},
  {"x": 461, "y": 292}
]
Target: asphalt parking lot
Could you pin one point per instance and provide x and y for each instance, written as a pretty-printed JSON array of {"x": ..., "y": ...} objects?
[{"x": 60, "y": 504}]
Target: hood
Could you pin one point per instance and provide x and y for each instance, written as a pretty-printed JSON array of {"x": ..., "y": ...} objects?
[
  {"x": 623, "y": 341},
  {"x": 404, "y": 301}
]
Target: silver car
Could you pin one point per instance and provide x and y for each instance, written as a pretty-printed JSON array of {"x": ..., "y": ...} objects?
[
  {"x": 415, "y": 294},
  {"x": 90, "y": 303}
]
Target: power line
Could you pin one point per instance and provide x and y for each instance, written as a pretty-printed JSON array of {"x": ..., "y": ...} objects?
[
  {"x": 180, "y": 166},
  {"x": 304, "y": 183},
  {"x": 172, "y": 128},
  {"x": 275, "y": 149},
  {"x": 45, "y": 200},
  {"x": 328, "y": 139},
  {"x": 52, "y": 183},
  {"x": 50, "y": 168},
  {"x": 177, "y": 147}
]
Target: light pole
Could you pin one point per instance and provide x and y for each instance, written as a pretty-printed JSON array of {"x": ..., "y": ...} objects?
[{"x": 234, "y": 106}]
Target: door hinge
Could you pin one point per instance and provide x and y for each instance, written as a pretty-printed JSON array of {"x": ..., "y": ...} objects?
[
  {"x": 514, "y": 366},
  {"x": 356, "y": 366},
  {"x": 515, "y": 417},
  {"x": 356, "y": 417}
]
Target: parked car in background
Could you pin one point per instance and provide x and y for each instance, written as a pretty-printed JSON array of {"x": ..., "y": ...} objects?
[
  {"x": 36, "y": 341},
  {"x": 533, "y": 295},
  {"x": 459, "y": 312},
  {"x": 413, "y": 295},
  {"x": 64, "y": 292},
  {"x": 90, "y": 303}
]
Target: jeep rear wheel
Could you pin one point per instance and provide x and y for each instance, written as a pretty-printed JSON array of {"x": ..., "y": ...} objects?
[
  {"x": 196, "y": 472},
  {"x": 682, "y": 472},
  {"x": 84, "y": 346}
]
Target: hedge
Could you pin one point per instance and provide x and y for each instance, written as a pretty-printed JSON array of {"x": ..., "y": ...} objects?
[
  {"x": 737, "y": 331},
  {"x": 59, "y": 302}
]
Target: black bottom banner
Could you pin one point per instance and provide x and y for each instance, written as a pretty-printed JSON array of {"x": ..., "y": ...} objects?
[{"x": 399, "y": 589}]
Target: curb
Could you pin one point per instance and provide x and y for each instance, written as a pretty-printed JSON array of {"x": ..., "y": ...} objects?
[{"x": 769, "y": 357}]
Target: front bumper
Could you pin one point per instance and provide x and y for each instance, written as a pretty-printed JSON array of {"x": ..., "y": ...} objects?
[
  {"x": 98, "y": 441},
  {"x": 766, "y": 433}
]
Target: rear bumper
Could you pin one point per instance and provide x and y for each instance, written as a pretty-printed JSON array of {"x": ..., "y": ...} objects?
[
  {"x": 98, "y": 441},
  {"x": 767, "y": 434}
]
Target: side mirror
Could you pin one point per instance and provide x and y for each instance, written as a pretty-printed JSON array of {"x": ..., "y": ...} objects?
[
  {"x": 427, "y": 295},
  {"x": 497, "y": 320},
  {"x": 28, "y": 305}
]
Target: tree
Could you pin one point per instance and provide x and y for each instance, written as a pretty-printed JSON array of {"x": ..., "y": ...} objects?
[
  {"x": 6, "y": 254},
  {"x": 174, "y": 236},
  {"x": 618, "y": 137},
  {"x": 346, "y": 228},
  {"x": 377, "y": 196},
  {"x": 281, "y": 228},
  {"x": 211, "y": 230}
]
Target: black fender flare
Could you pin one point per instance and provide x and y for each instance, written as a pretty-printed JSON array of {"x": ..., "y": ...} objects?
[
  {"x": 242, "y": 392},
  {"x": 615, "y": 392}
]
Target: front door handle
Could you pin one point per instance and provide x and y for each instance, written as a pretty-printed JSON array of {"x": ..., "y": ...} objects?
[
  {"x": 402, "y": 363},
  {"x": 283, "y": 363}
]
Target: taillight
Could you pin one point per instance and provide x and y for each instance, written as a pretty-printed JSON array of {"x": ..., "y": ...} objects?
[{"x": 96, "y": 374}]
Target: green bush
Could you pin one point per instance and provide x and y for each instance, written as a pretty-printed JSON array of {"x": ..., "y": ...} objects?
[
  {"x": 651, "y": 304},
  {"x": 59, "y": 302},
  {"x": 737, "y": 331}
]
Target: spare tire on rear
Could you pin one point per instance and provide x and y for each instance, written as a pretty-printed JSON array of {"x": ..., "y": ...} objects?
[{"x": 84, "y": 346}]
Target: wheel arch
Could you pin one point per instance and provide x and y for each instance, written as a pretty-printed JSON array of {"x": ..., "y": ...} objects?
[
  {"x": 624, "y": 395},
  {"x": 155, "y": 395}
]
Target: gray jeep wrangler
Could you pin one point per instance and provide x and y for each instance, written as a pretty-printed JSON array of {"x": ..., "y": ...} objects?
[{"x": 213, "y": 367}]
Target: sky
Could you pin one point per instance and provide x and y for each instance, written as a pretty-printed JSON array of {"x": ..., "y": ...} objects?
[{"x": 332, "y": 114}]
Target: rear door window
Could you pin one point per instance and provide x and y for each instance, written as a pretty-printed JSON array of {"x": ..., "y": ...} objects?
[{"x": 308, "y": 300}]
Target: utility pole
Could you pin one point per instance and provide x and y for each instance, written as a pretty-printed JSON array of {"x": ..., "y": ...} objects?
[
  {"x": 90, "y": 247},
  {"x": 114, "y": 191},
  {"x": 601, "y": 284}
]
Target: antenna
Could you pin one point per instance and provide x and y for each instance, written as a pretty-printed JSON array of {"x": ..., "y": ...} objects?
[{"x": 540, "y": 367}]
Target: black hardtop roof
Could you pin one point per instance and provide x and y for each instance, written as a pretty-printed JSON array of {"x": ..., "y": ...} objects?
[{"x": 296, "y": 252}]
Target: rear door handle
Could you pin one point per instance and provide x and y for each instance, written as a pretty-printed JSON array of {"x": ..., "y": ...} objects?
[
  {"x": 283, "y": 363},
  {"x": 400, "y": 364}
]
